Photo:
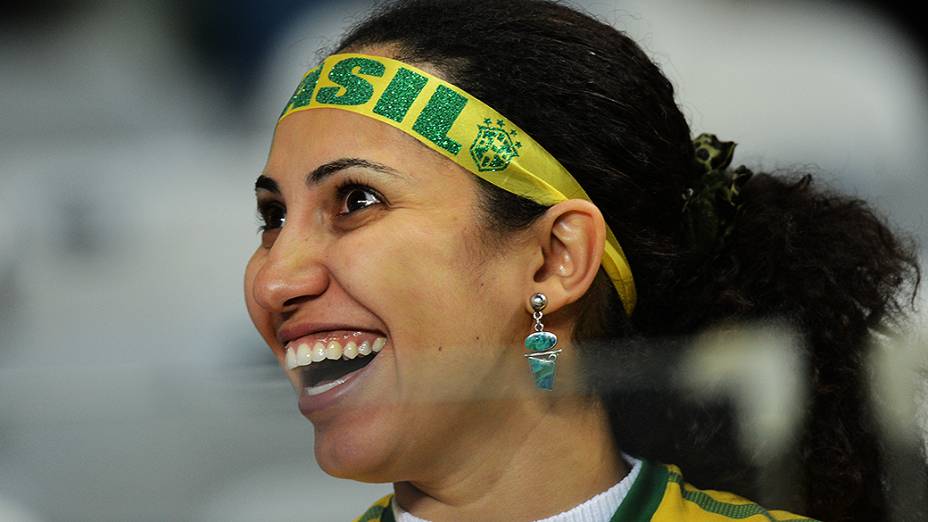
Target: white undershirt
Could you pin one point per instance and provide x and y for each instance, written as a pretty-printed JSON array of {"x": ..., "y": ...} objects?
[{"x": 600, "y": 508}]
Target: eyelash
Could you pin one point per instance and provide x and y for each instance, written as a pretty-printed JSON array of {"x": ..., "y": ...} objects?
[
  {"x": 265, "y": 208},
  {"x": 347, "y": 185},
  {"x": 342, "y": 191}
]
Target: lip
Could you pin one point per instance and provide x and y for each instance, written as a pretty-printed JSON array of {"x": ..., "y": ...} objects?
[
  {"x": 287, "y": 333},
  {"x": 312, "y": 404}
]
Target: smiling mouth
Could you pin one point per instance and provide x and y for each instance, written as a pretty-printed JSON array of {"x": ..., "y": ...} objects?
[{"x": 327, "y": 363}]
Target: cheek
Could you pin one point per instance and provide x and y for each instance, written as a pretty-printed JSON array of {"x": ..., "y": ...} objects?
[
  {"x": 418, "y": 280},
  {"x": 430, "y": 264}
]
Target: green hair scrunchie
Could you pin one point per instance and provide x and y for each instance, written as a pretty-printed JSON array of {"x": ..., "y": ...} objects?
[{"x": 711, "y": 204}]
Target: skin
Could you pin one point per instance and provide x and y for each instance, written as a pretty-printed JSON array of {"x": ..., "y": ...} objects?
[{"x": 447, "y": 411}]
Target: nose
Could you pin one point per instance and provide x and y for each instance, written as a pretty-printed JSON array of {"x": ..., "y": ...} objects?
[{"x": 293, "y": 271}]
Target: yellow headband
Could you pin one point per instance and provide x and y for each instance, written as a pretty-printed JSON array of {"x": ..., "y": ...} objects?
[{"x": 456, "y": 125}]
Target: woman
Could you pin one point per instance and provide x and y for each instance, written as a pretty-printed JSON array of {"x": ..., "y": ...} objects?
[{"x": 476, "y": 212}]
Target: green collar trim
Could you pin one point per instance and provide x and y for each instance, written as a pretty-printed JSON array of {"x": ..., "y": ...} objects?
[
  {"x": 381, "y": 511},
  {"x": 644, "y": 496},
  {"x": 387, "y": 514}
]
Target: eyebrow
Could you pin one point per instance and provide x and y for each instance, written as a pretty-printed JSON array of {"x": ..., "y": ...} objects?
[
  {"x": 325, "y": 170},
  {"x": 265, "y": 183}
]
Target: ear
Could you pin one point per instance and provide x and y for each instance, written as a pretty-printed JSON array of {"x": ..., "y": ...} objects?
[{"x": 572, "y": 235}]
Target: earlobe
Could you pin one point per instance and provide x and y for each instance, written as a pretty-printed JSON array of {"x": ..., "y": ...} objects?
[{"x": 572, "y": 235}]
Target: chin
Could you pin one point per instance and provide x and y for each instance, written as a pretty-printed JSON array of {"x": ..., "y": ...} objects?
[{"x": 353, "y": 452}]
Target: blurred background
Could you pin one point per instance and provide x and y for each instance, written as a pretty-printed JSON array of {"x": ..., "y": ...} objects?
[{"x": 132, "y": 385}]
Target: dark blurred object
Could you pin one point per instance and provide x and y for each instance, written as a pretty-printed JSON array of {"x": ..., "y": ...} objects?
[
  {"x": 908, "y": 19},
  {"x": 29, "y": 14},
  {"x": 231, "y": 38}
]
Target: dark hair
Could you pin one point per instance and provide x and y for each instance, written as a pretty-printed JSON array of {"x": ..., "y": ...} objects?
[{"x": 821, "y": 262}]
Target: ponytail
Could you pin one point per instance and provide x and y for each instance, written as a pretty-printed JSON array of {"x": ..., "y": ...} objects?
[{"x": 832, "y": 270}]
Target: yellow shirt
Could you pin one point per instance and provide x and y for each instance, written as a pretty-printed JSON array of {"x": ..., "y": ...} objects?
[{"x": 659, "y": 494}]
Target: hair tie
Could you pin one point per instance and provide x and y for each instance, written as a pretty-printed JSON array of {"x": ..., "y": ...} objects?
[{"x": 710, "y": 205}]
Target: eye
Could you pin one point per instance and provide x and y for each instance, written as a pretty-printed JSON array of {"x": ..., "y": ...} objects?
[
  {"x": 357, "y": 197},
  {"x": 272, "y": 215}
]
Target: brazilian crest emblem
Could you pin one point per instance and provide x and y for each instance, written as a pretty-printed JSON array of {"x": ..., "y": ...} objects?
[{"x": 494, "y": 147}]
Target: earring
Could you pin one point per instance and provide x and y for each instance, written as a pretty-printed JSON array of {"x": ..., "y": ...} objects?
[{"x": 542, "y": 358}]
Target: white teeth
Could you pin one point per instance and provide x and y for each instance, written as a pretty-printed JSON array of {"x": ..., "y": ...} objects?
[
  {"x": 333, "y": 350},
  {"x": 303, "y": 355},
  {"x": 291, "y": 359},
  {"x": 318, "y": 351},
  {"x": 322, "y": 388},
  {"x": 351, "y": 350}
]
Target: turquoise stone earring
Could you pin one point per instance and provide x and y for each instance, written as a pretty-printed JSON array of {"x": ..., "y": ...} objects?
[{"x": 542, "y": 357}]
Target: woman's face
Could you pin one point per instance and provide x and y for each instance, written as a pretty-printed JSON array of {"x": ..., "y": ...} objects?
[{"x": 372, "y": 238}]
